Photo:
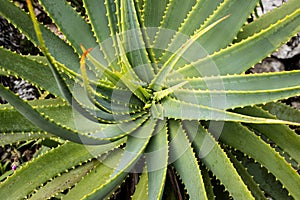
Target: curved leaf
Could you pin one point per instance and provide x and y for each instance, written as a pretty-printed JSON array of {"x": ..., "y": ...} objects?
[
  {"x": 216, "y": 160},
  {"x": 72, "y": 25},
  {"x": 268, "y": 19},
  {"x": 43, "y": 122},
  {"x": 134, "y": 43},
  {"x": 135, "y": 146},
  {"x": 180, "y": 110},
  {"x": 175, "y": 13},
  {"x": 229, "y": 99},
  {"x": 24, "y": 66},
  {"x": 283, "y": 111},
  {"x": 48, "y": 165},
  {"x": 214, "y": 40},
  {"x": 63, "y": 182},
  {"x": 57, "y": 47},
  {"x": 141, "y": 189},
  {"x": 239, "y": 137},
  {"x": 241, "y": 56},
  {"x": 98, "y": 176},
  {"x": 185, "y": 162},
  {"x": 157, "y": 161},
  {"x": 240, "y": 82},
  {"x": 282, "y": 135}
]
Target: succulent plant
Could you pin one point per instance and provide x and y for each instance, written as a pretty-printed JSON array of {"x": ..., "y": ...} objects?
[{"x": 157, "y": 89}]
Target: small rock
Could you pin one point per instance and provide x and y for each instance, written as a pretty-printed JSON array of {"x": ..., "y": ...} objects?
[
  {"x": 269, "y": 5},
  {"x": 296, "y": 105},
  {"x": 268, "y": 65},
  {"x": 289, "y": 50}
]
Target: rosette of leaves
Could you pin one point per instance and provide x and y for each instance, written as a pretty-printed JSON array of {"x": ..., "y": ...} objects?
[{"x": 156, "y": 87}]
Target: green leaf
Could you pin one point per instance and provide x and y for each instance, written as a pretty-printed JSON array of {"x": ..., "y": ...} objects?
[
  {"x": 9, "y": 117},
  {"x": 114, "y": 19},
  {"x": 11, "y": 132},
  {"x": 185, "y": 162},
  {"x": 141, "y": 189},
  {"x": 247, "y": 178},
  {"x": 268, "y": 19},
  {"x": 98, "y": 176},
  {"x": 72, "y": 25},
  {"x": 282, "y": 135},
  {"x": 84, "y": 106},
  {"x": 24, "y": 66},
  {"x": 115, "y": 77},
  {"x": 129, "y": 77},
  {"x": 114, "y": 96},
  {"x": 100, "y": 16},
  {"x": 187, "y": 111},
  {"x": 267, "y": 181},
  {"x": 65, "y": 181},
  {"x": 157, "y": 161},
  {"x": 246, "y": 82},
  {"x": 116, "y": 131},
  {"x": 53, "y": 64},
  {"x": 96, "y": 11},
  {"x": 283, "y": 111},
  {"x": 43, "y": 121},
  {"x": 214, "y": 39},
  {"x": 238, "y": 12},
  {"x": 241, "y": 138},
  {"x": 228, "y": 99},
  {"x": 45, "y": 167},
  {"x": 135, "y": 146},
  {"x": 52, "y": 108},
  {"x": 14, "y": 137},
  {"x": 57, "y": 47},
  {"x": 133, "y": 42},
  {"x": 175, "y": 13},
  {"x": 216, "y": 160},
  {"x": 207, "y": 183},
  {"x": 168, "y": 66},
  {"x": 242, "y": 55},
  {"x": 194, "y": 20},
  {"x": 153, "y": 12},
  {"x": 191, "y": 24}
]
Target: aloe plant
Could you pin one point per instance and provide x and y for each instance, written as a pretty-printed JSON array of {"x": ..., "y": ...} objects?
[{"x": 156, "y": 88}]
